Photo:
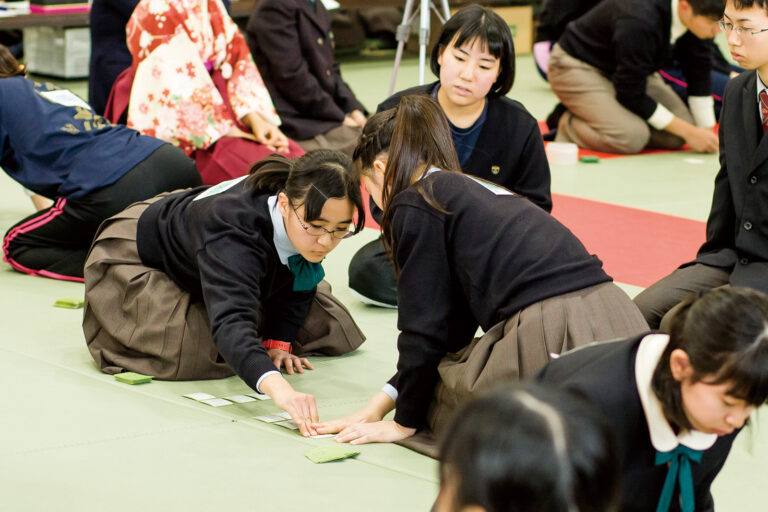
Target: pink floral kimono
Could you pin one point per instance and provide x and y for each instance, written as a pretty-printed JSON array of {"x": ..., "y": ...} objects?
[{"x": 194, "y": 79}]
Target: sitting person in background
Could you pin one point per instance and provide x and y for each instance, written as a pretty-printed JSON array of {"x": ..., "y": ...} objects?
[
  {"x": 193, "y": 83},
  {"x": 528, "y": 449},
  {"x": 53, "y": 144},
  {"x": 604, "y": 69},
  {"x": 292, "y": 44},
  {"x": 495, "y": 137}
]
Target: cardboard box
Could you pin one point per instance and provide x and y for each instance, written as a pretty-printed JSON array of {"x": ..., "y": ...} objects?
[
  {"x": 58, "y": 51},
  {"x": 519, "y": 19}
]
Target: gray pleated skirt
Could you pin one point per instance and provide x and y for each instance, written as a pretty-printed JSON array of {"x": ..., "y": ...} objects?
[
  {"x": 137, "y": 319},
  {"x": 520, "y": 346}
]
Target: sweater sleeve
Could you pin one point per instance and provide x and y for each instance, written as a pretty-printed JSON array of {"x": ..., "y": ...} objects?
[
  {"x": 231, "y": 272},
  {"x": 533, "y": 179},
  {"x": 424, "y": 312}
]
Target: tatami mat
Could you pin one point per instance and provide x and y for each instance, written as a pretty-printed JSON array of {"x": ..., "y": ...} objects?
[{"x": 72, "y": 438}]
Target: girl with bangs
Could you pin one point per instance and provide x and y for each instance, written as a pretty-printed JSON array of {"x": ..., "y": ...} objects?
[
  {"x": 495, "y": 137},
  {"x": 209, "y": 282},
  {"x": 676, "y": 402}
]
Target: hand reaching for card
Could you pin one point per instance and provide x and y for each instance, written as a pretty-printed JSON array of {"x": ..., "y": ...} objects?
[
  {"x": 376, "y": 409},
  {"x": 300, "y": 406},
  {"x": 376, "y": 432},
  {"x": 281, "y": 358}
]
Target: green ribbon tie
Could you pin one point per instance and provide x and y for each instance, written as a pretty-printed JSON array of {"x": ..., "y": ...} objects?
[
  {"x": 306, "y": 274},
  {"x": 679, "y": 461}
]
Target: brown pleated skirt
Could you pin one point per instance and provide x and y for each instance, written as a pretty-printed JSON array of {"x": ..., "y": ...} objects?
[
  {"x": 137, "y": 319},
  {"x": 520, "y": 346}
]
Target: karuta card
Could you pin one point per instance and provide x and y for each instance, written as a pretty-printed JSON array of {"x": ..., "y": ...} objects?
[
  {"x": 259, "y": 396},
  {"x": 240, "y": 399},
  {"x": 198, "y": 396},
  {"x": 330, "y": 452},
  {"x": 270, "y": 418},
  {"x": 288, "y": 424},
  {"x": 216, "y": 402}
]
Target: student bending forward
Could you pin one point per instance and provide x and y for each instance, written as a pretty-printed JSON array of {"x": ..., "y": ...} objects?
[
  {"x": 207, "y": 281},
  {"x": 469, "y": 254}
]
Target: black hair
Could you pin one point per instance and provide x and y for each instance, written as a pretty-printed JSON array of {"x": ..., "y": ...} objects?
[
  {"x": 9, "y": 66},
  {"x": 475, "y": 22},
  {"x": 415, "y": 135},
  {"x": 310, "y": 180},
  {"x": 725, "y": 334},
  {"x": 710, "y": 8},
  {"x": 746, "y": 4},
  {"x": 530, "y": 448}
]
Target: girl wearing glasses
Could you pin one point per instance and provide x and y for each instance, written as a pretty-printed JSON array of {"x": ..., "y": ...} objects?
[
  {"x": 211, "y": 281},
  {"x": 469, "y": 253}
]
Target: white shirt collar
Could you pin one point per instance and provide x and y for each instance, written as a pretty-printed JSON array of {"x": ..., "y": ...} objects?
[
  {"x": 283, "y": 244},
  {"x": 677, "y": 28},
  {"x": 663, "y": 437}
]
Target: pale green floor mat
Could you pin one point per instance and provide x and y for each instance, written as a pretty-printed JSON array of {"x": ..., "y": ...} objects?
[{"x": 72, "y": 438}]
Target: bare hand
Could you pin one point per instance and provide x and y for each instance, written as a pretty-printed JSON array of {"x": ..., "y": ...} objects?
[
  {"x": 348, "y": 121},
  {"x": 300, "y": 406},
  {"x": 358, "y": 117},
  {"x": 703, "y": 140},
  {"x": 377, "y": 432},
  {"x": 266, "y": 133},
  {"x": 281, "y": 358},
  {"x": 337, "y": 425}
]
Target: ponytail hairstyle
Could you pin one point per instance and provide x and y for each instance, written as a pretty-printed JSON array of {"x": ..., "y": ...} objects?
[
  {"x": 725, "y": 334},
  {"x": 530, "y": 449},
  {"x": 416, "y": 136},
  {"x": 310, "y": 180},
  {"x": 9, "y": 66}
]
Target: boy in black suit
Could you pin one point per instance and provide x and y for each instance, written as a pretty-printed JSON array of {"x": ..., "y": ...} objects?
[
  {"x": 604, "y": 70},
  {"x": 291, "y": 42},
  {"x": 736, "y": 249}
]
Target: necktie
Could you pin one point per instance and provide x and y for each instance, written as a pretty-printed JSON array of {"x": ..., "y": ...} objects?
[
  {"x": 306, "y": 274},
  {"x": 764, "y": 109},
  {"x": 679, "y": 461}
]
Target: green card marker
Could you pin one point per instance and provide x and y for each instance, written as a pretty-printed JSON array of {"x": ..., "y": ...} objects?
[
  {"x": 133, "y": 378},
  {"x": 69, "y": 303},
  {"x": 330, "y": 452},
  {"x": 589, "y": 160}
]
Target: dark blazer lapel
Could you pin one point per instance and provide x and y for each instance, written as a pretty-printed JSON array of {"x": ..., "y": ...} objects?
[
  {"x": 752, "y": 134},
  {"x": 317, "y": 15}
]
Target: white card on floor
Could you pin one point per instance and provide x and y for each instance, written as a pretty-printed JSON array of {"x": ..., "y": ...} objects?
[
  {"x": 240, "y": 399},
  {"x": 288, "y": 424},
  {"x": 199, "y": 396},
  {"x": 322, "y": 436},
  {"x": 259, "y": 396},
  {"x": 216, "y": 402},
  {"x": 284, "y": 415},
  {"x": 269, "y": 418}
]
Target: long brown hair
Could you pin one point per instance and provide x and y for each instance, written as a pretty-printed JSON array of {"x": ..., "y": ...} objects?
[
  {"x": 9, "y": 66},
  {"x": 416, "y": 136}
]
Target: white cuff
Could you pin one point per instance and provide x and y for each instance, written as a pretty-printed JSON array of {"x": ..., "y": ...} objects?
[
  {"x": 702, "y": 110},
  {"x": 661, "y": 117},
  {"x": 390, "y": 390},
  {"x": 258, "y": 383}
]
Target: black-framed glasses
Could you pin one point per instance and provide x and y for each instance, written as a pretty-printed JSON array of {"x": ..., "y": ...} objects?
[
  {"x": 338, "y": 234},
  {"x": 747, "y": 33}
]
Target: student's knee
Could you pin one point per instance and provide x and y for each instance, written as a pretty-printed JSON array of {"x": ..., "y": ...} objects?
[{"x": 631, "y": 138}]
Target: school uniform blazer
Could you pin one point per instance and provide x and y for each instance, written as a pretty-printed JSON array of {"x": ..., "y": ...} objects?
[
  {"x": 737, "y": 228},
  {"x": 509, "y": 151},
  {"x": 604, "y": 373},
  {"x": 220, "y": 249},
  {"x": 292, "y": 45}
]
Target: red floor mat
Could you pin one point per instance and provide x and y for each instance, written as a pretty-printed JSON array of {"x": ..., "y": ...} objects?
[{"x": 637, "y": 247}]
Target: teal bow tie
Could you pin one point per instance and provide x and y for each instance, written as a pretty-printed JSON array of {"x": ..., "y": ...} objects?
[
  {"x": 306, "y": 274},
  {"x": 679, "y": 461}
]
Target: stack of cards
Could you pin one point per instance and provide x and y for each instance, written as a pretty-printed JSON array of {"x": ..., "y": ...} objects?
[
  {"x": 69, "y": 303},
  {"x": 330, "y": 452},
  {"x": 132, "y": 378}
]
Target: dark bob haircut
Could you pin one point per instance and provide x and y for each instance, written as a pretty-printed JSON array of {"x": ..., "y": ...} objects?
[
  {"x": 530, "y": 449},
  {"x": 474, "y": 22},
  {"x": 725, "y": 334},
  {"x": 310, "y": 180}
]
